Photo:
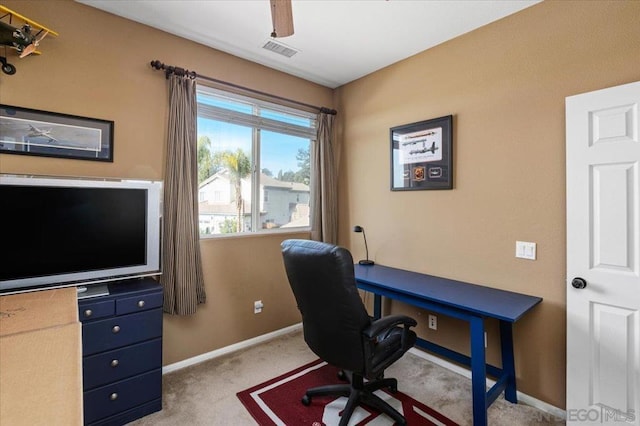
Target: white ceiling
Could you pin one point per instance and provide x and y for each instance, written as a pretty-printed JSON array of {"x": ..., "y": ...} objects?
[{"x": 338, "y": 40}]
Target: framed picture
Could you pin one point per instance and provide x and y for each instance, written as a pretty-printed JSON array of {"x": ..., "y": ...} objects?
[
  {"x": 31, "y": 132},
  {"x": 422, "y": 155}
]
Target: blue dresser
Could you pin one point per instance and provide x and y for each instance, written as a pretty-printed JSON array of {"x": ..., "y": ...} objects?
[{"x": 122, "y": 352}]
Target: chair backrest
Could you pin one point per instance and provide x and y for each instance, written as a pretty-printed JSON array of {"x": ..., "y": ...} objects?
[{"x": 333, "y": 315}]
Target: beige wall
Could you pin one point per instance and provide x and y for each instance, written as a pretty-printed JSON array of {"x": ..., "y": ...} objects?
[
  {"x": 505, "y": 85},
  {"x": 99, "y": 67}
]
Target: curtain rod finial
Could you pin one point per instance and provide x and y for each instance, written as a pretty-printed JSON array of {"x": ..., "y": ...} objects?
[
  {"x": 328, "y": 111},
  {"x": 157, "y": 64},
  {"x": 173, "y": 70}
]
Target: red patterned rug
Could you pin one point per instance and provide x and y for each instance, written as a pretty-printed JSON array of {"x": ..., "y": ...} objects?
[{"x": 277, "y": 402}]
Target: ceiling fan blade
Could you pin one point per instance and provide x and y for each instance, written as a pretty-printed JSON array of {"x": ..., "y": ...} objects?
[{"x": 282, "y": 18}]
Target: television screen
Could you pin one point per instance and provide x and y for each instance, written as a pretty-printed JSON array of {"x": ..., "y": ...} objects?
[{"x": 65, "y": 231}]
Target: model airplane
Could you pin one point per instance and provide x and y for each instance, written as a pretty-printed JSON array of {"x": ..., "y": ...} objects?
[
  {"x": 34, "y": 132},
  {"x": 24, "y": 39},
  {"x": 425, "y": 149}
]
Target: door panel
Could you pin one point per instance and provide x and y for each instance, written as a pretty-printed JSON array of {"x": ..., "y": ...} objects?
[
  {"x": 614, "y": 351},
  {"x": 615, "y": 124},
  {"x": 613, "y": 210}
]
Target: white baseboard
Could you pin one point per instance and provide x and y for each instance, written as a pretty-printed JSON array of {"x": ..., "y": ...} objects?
[
  {"x": 523, "y": 397},
  {"x": 229, "y": 349}
]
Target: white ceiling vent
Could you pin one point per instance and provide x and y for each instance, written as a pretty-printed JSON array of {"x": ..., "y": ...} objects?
[{"x": 279, "y": 48}]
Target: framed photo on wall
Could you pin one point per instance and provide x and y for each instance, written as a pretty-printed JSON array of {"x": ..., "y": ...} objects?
[
  {"x": 50, "y": 134},
  {"x": 422, "y": 155}
]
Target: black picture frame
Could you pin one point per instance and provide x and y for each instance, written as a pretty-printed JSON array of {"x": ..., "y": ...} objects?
[
  {"x": 25, "y": 131},
  {"x": 422, "y": 155}
]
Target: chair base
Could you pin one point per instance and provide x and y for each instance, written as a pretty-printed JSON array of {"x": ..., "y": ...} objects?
[{"x": 359, "y": 393}]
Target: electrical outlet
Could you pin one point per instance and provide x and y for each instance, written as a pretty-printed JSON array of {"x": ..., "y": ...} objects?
[
  {"x": 433, "y": 322},
  {"x": 257, "y": 306}
]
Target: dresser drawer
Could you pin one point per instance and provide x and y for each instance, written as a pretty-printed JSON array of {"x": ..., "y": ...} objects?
[
  {"x": 126, "y": 417},
  {"x": 108, "y": 367},
  {"x": 112, "y": 333},
  {"x": 116, "y": 397},
  {"x": 138, "y": 303},
  {"x": 95, "y": 310}
]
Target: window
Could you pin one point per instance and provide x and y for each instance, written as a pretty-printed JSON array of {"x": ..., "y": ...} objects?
[{"x": 253, "y": 164}]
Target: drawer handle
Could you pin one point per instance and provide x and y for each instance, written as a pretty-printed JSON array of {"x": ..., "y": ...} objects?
[
  {"x": 115, "y": 329},
  {"x": 141, "y": 304},
  {"x": 114, "y": 362},
  {"x": 88, "y": 313},
  {"x": 113, "y": 396}
]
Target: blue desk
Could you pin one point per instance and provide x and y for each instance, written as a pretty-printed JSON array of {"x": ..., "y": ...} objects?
[{"x": 469, "y": 302}]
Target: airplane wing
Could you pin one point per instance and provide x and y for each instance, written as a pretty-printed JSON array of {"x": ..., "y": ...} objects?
[{"x": 9, "y": 12}]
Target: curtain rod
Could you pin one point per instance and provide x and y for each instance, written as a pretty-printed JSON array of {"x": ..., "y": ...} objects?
[{"x": 168, "y": 69}]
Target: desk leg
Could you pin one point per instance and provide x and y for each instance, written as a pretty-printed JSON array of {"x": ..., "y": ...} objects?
[
  {"x": 478, "y": 372},
  {"x": 377, "y": 306},
  {"x": 508, "y": 362}
]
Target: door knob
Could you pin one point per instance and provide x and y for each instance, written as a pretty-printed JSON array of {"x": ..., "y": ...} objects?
[{"x": 579, "y": 283}]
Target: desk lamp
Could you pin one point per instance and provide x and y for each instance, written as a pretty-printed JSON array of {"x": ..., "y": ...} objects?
[{"x": 367, "y": 261}]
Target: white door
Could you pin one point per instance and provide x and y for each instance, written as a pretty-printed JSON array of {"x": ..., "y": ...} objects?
[{"x": 603, "y": 252}]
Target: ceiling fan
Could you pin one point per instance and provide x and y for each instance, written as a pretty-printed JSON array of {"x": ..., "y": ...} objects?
[{"x": 282, "y": 18}]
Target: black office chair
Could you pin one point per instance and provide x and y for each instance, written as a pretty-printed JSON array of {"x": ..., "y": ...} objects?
[{"x": 338, "y": 328}]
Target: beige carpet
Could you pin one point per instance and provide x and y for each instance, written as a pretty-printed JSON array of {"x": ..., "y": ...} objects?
[{"x": 205, "y": 394}]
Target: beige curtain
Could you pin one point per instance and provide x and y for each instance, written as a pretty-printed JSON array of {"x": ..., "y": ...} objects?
[
  {"x": 182, "y": 275},
  {"x": 324, "y": 204}
]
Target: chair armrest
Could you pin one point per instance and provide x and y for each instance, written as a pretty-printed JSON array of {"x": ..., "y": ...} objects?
[{"x": 387, "y": 323}]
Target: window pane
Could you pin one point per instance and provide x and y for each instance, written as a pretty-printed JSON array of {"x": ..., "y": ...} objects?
[
  {"x": 224, "y": 177},
  {"x": 285, "y": 117},
  {"x": 284, "y": 181},
  {"x": 226, "y": 103}
]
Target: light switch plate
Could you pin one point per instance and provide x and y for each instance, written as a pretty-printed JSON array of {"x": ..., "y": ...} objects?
[{"x": 526, "y": 250}]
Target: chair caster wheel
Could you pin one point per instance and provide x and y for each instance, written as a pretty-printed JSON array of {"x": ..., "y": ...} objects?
[
  {"x": 306, "y": 400},
  {"x": 342, "y": 375}
]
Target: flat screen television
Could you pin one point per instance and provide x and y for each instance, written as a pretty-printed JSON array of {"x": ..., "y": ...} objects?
[{"x": 60, "y": 232}]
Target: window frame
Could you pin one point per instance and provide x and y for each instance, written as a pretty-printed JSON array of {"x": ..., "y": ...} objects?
[{"x": 257, "y": 123}]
